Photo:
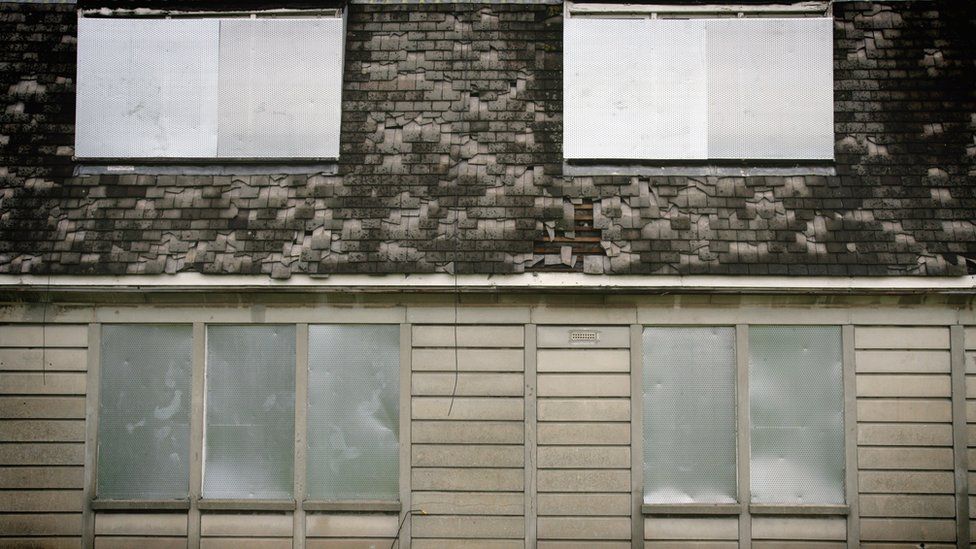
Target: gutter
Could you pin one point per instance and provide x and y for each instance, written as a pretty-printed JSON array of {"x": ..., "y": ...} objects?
[{"x": 524, "y": 282}]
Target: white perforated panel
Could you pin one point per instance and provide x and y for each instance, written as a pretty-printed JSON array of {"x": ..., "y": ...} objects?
[
  {"x": 280, "y": 87},
  {"x": 770, "y": 88},
  {"x": 696, "y": 89},
  {"x": 147, "y": 88},
  {"x": 634, "y": 88}
]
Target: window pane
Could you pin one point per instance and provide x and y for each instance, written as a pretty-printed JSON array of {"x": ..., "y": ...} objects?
[
  {"x": 144, "y": 412},
  {"x": 689, "y": 415},
  {"x": 353, "y": 412},
  {"x": 280, "y": 87},
  {"x": 796, "y": 397},
  {"x": 147, "y": 88},
  {"x": 250, "y": 436}
]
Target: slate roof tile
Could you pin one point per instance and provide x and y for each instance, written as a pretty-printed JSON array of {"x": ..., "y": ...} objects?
[{"x": 451, "y": 160}]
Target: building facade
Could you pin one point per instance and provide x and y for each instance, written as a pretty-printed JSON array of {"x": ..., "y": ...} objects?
[{"x": 533, "y": 274}]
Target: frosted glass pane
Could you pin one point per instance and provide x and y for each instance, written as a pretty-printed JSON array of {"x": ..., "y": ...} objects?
[
  {"x": 144, "y": 412},
  {"x": 689, "y": 415},
  {"x": 796, "y": 397},
  {"x": 280, "y": 87},
  {"x": 353, "y": 412},
  {"x": 250, "y": 435},
  {"x": 147, "y": 88}
]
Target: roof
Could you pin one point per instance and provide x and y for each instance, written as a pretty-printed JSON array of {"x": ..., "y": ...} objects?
[{"x": 451, "y": 159}]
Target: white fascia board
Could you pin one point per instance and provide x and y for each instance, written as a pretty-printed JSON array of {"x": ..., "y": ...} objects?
[
  {"x": 479, "y": 283},
  {"x": 690, "y": 10}
]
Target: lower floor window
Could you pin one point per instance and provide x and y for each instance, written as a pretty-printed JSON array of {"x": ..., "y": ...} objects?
[
  {"x": 795, "y": 404},
  {"x": 250, "y": 405},
  {"x": 796, "y": 413},
  {"x": 353, "y": 412},
  {"x": 251, "y": 393},
  {"x": 144, "y": 412}
]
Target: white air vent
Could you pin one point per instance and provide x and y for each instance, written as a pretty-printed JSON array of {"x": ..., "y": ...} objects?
[{"x": 582, "y": 337}]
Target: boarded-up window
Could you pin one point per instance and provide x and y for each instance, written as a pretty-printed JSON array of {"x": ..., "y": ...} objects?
[
  {"x": 353, "y": 412},
  {"x": 250, "y": 428},
  {"x": 144, "y": 412},
  {"x": 689, "y": 415},
  {"x": 209, "y": 88},
  {"x": 796, "y": 399},
  {"x": 698, "y": 89}
]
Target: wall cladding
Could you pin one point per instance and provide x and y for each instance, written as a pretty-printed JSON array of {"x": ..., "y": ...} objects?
[
  {"x": 467, "y": 453},
  {"x": 905, "y": 457},
  {"x": 42, "y": 434},
  {"x": 451, "y": 161},
  {"x": 469, "y": 469}
]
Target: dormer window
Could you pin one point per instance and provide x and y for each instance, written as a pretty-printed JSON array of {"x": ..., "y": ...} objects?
[{"x": 697, "y": 86}]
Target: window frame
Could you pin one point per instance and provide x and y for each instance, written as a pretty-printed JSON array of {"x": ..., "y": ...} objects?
[
  {"x": 195, "y": 500},
  {"x": 744, "y": 508}
]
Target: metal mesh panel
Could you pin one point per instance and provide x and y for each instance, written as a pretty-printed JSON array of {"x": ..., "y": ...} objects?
[
  {"x": 757, "y": 88},
  {"x": 353, "y": 412},
  {"x": 770, "y": 88},
  {"x": 797, "y": 414},
  {"x": 147, "y": 88},
  {"x": 634, "y": 88},
  {"x": 250, "y": 435},
  {"x": 144, "y": 412},
  {"x": 280, "y": 87},
  {"x": 689, "y": 415}
]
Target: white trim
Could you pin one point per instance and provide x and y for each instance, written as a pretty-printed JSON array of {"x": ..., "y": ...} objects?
[
  {"x": 817, "y": 7},
  {"x": 524, "y": 281}
]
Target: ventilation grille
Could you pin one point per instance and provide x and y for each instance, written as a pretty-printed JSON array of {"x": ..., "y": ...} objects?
[{"x": 580, "y": 337}]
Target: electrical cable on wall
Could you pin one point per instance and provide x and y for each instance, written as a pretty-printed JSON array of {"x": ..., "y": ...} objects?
[
  {"x": 396, "y": 538},
  {"x": 44, "y": 305},
  {"x": 457, "y": 290}
]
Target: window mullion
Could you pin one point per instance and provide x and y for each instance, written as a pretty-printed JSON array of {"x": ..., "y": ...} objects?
[
  {"x": 742, "y": 418},
  {"x": 301, "y": 432},
  {"x": 91, "y": 433},
  {"x": 197, "y": 418}
]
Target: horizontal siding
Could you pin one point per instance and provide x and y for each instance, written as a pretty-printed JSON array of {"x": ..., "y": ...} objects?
[
  {"x": 691, "y": 529},
  {"x": 969, "y": 343},
  {"x": 583, "y": 434},
  {"x": 806, "y": 529},
  {"x": 468, "y": 431},
  {"x": 905, "y": 460},
  {"x": 43, "y": 380}
]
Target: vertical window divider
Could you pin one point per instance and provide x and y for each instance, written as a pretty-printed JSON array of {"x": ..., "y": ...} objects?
[
  {"x": 531, "y": 440},
  {"x": 301, "y": 433},
  {"x": 91, "y": 430},
  {"x": 742, "y": 418},
  {"x": 636, "y": 435},
  {"x": 850, "y": 436},
  {"x": 197, "y": 419},
  {"x": 960, "y": 451},
  {"x": 406, "y": 406}
]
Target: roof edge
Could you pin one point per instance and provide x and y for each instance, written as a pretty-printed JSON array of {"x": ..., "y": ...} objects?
[{"x": 440, "y": 282}]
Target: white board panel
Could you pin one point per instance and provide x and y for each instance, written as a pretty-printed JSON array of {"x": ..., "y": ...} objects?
[
  {"x": 280, "y": 87},
  {"x": 697, "y": 89},
  {"x": 147, "y": 88},
  {"x": 770, "y": 88},
  {"x": 634, "y": 88}
]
